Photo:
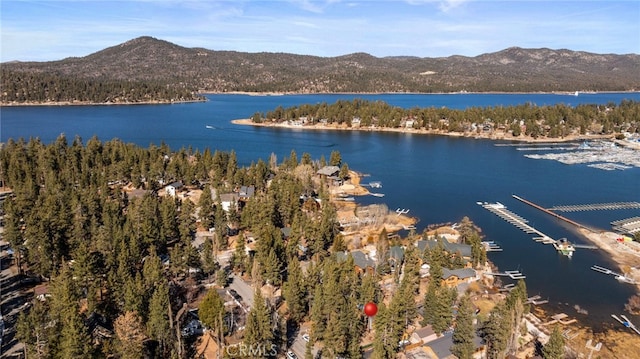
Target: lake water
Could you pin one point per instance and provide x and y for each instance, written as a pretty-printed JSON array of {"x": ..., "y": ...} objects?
[{"x": 439, "y": 179}]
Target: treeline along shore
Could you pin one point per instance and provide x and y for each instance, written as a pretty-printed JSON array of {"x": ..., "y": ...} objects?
[{"x": 523, "y": 122}]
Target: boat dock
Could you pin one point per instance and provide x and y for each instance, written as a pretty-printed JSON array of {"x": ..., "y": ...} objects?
[
  {"x": 400, "y": 211},
  {"x": 501, "y": 211},
  {"x": 628, "y": 225},
  {"x": 562, "y": 245},
  {"x": 626, "y": 322},
  {"x": 513, "y": 274},
  {"x": 560, "y": 318},
  {"x": 491, "y": 246},
  {"x": 596, "y": 207},
  {"x": 619, "y": 276},
  {"x": 550, "y": 212},
  {"x": 536, "y": 300}
]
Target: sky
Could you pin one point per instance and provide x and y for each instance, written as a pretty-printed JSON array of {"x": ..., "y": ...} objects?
[{"x": 55, "y": 29}]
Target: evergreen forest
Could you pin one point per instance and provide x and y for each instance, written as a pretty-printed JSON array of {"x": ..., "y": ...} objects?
[
  {"x": 92, "y": 223},
  {"x": 552, "y": 122},
  {"x": 42, "y": 87}
]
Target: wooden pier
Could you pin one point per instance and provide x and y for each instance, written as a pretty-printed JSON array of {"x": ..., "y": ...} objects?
[
  {"x": 560, "y": 318},
  {"x": 596, "y": 207}
]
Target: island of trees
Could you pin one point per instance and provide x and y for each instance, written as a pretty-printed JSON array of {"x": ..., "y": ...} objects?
[
  {"x": 552, "y": 122},
  {"x": 120, "y": 264}
]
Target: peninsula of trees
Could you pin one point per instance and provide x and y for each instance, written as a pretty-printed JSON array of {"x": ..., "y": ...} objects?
[
  {"x": 552, "y": 122},
  {"x": 102, "y": 226},
  {"x": 148, "y": 69}
]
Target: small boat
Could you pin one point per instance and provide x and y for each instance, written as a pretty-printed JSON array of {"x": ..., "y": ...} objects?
[
  {"x": 377, "y": 194},
  {"x": 625, "y": 279},
  {"x": 375, "y": 184}
]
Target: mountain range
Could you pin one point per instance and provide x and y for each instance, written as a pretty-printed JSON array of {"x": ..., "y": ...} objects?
[{"x": 511, "y": 70}]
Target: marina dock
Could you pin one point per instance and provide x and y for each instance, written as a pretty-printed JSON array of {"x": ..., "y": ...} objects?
[
  {"x": 628, "y": 225},
  {"x": 501, "y": 211},
  {"x": 550, "y": 212},
  {"x": 596, "y": 207},
  {"x": 562, "y": 245}
]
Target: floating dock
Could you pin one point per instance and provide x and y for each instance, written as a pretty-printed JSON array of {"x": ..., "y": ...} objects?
[
  {"x": 628, "y": 225},
  {"x": 596, "y": 207},
  {"x": 536, "y": 300},
  {"x": 551, "y": 213},
  {"x": 619, "y": 276},
  {"x": 626, "y": 322},
  {"x": 400, "y": 211},
  {"x": 513, "y": 274},
  {"x": 562, "y": 245},
  {"x": 501, "y": 211},
  {"x": 491, "y": 246}
]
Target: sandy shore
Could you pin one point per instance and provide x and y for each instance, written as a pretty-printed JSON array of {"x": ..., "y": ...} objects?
[{"x": 497, "y": 135}]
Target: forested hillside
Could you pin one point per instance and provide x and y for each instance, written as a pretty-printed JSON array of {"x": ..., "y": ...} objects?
[
  {"x": 150, "y": 61},
  {"x": 42, "y": 87}
]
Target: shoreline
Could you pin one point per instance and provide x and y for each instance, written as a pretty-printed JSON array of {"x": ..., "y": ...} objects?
[
  {"x": 288, "y": 93},
  {"x": 275, "y": 93},
  {"x": 88, "y": 103},
  {"x": 493, "y": 137}
]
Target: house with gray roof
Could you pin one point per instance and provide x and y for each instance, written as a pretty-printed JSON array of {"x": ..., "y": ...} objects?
[
  {"x": 463, "y": 249},
  {"x": 396, "y": 256},
  {"x": 453, "y": 277},
  {"x": 362, "y": 262},
  {"x": 329, "y": 171}
]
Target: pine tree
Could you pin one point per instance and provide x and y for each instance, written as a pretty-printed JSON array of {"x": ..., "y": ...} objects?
[
  {"x": 158, "y": 318},
  {"x": 496, "y": 331},
  {"x": 259, "y": 330},
  {"x": 294, "y": 291},
  {"x": 33, "y": 328},
  {"x": 73, "y": 340},
  {"x": 211, "y": 311},
  {"x": 554, "y": 349},
  {"x": 463, "y": 334}
]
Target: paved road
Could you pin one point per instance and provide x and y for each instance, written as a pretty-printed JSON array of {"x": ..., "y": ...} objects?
[{"x": 243, "y": 288}]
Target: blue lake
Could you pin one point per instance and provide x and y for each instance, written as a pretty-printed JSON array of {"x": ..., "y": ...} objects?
[{"x": 439, "y": 179}]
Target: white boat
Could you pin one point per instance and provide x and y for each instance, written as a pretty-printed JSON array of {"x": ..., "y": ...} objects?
[
  {"x": 624, "y": 278},
  {"x": 375, "y": 184}
]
